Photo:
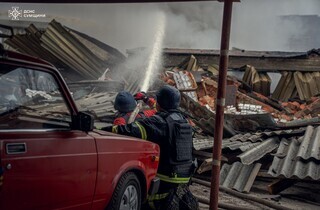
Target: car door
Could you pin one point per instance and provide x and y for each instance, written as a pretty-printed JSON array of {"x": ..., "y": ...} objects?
[
  {"x": 44, "y": 163},
  {"x": 47, "y": 171}
]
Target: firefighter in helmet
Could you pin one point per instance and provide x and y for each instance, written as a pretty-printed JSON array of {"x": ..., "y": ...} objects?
[
  {"x": 125, "y": 103},
  {"x": 172, "y": 132}
]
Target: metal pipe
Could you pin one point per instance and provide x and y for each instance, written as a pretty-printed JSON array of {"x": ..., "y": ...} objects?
[{"x": 220, "y": 103}]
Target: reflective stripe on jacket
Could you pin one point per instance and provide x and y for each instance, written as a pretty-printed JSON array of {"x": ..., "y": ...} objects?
[{"x": 175, "y": 154}]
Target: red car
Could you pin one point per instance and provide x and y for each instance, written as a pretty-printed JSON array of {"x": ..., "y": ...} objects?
[{"x": 50, "y": 155}]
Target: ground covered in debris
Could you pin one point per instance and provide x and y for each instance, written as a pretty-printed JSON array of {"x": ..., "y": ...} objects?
[{"x": 302, "y": 195}]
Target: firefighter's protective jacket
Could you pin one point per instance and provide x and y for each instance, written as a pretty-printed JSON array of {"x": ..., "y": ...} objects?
[{"x": 172, "y": 132}]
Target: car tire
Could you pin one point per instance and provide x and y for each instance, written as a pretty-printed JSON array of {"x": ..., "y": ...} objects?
[{"x": 127, "y": 194}]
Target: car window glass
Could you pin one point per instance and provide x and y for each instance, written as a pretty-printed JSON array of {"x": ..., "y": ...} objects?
[{"x": 31, "y": 99}]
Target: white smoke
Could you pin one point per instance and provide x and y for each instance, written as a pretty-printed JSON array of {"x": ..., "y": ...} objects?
[
  {"x": 256, "y": 25},
  {"x": 277, "y": 25}
]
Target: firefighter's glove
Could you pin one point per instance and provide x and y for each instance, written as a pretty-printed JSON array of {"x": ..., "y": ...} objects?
[{"x": 141, "y": 96}]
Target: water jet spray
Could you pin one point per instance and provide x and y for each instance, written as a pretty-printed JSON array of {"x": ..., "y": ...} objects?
[{"x": 154, "y": 61}]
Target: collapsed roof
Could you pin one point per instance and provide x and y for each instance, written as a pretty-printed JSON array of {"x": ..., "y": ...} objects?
[{"x": 75, "y": 54}]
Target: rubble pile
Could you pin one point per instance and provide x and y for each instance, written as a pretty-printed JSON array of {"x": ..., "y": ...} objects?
[
  {"x": 201, "y": 86},
  {"x": 262, "y": 135}
]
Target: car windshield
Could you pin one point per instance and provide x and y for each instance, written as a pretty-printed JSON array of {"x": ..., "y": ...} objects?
[{"x": 30, "y": 99}]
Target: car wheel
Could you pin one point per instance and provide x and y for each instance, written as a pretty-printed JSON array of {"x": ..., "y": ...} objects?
[{"x": 127, "y": 195}]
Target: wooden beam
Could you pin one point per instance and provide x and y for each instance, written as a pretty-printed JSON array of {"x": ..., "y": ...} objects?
[
  {"x": 279, "y": 62},
  {"x": 207, "y": 164},
  {"x": 280, "y": 185}
]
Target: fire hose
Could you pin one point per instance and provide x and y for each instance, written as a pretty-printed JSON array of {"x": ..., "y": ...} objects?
[{"x": 135, "y": 112}]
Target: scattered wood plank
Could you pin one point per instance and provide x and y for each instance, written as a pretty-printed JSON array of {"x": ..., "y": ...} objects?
[
  {"x": 207, "y": 164},
  {"x": 280, "y": 185}
]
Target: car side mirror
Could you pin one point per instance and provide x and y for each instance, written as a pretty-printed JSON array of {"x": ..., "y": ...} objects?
[{"x": 83, "y": 121}]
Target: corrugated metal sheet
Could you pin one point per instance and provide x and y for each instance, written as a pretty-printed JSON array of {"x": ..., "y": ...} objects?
[
  {"x": 247, "y": 137},
  {"x": 299, "y": 123},
  {"x": 252, "y": 152},
  {"x": 57, "y": 40},
  {"x": 297, "y": 84},
  {"x": 78, "y": 89},
  {"x": 289, "y": 91},
  {"x": 67, "y": 50},
  {"x": 259, "y": 81},
  {"x": 98, "y": 98},
  {"x": 98, "y": 104},
  {"x": 257, "y": 152},
  {"x": 307, "y": 84},
  {"x": 244, "y": 142},
  {"x": 104, "y": 52},
  {"x": 202, "y": 142},
  {"x": 257, "y": 145},
  {"x": 259, "y": 136},
  {"x": 235, "y": 145},
  {"x": 30, "y": 44},
  {"x": 298, "y": 157},
  {"x": 310, "y": 146},
  {"x": 239, "y": 176},
  {"x": 298, "y": 131}
]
